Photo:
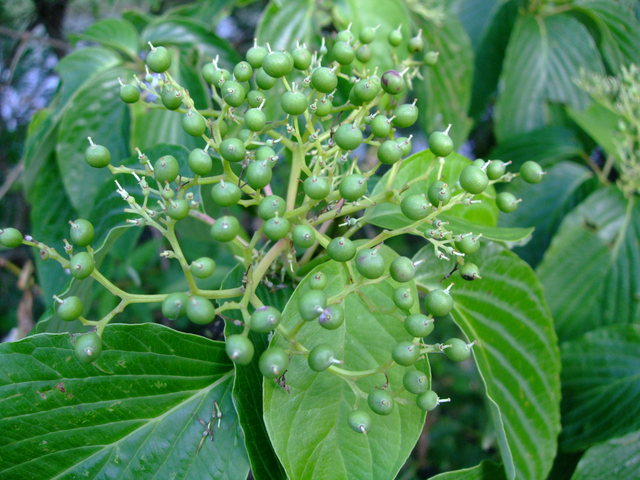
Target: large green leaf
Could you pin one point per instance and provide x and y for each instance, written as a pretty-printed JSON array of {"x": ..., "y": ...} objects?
[
  {"x": 476, "y": 16},
  {"x": 546, "y": 145},
  {"x": 600, "y": 386},
  {"x": 97, "y": 112},
  {"x": 445, "y": 92},
  {"x": 388, "y": 215},
  {"x": 497, "y": 234},
  {"x": 247, "y": 394},
  {"x": 133, "y": 413},
  {"x": 565, "y": 185},
  {"x": 612, "y": 460},
  {"x": 517, "y": 356},
  {"x": 601, "y": 124},
  {"x": 484, "y": 471},
  {"x": 284, "y": 23},
  {"x": 308, "y": 424},
  {"x": 544, "y": 56},
  {"x": 591, "y": 271},
  {"x": 115, "y": 33},
  {"x": 616, "y": 30}
]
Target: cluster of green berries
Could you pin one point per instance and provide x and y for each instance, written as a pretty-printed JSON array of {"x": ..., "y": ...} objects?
[{"x": 332, "y": 103}]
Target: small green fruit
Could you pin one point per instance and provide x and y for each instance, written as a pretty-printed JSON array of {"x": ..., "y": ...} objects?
[
  {"x": 359, "y": 421},
  {"x": 458, "y": 350},
  {"x": 88, "y": 347},
  {"x": 321, "y": 357},
  {"x": 81, "y": 265},
  {"x": 203, "y": 267},
  {"x": 200, "y": 310},
  {"x": 264, "y": 319},
  {"x": 273, "y": 362},
  {"x": 239, "y": 349},
  {"x": 418, "y": 325},
  {"x": 438, "y": 303},
  {"x": 380, "y": 402},
  {"x": 311, "y": 304},
  {"x": 70, "y": 308},
  {"x": 81, "y": 232},
  {"x": 10, "y": 237},
  {"x": 406, "y": 353}
]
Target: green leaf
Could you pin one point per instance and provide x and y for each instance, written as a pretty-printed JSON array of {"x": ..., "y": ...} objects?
[
  {"x": 388, "y": 215},
  {"x": 445, "y": 92},
  {"x": 96, "y": 112},
  {"x": 308, "y": 424},
  {"x": 476, "y": 16},
  {"x": 187, "y": 35},
  {"x": 115, "y": 33},
  {"x": 612, "y": 460},
  {"x": 431, "y": 270},
  {"x": 591, "y": 273},
  {"x": 600, "y": 386},
  {"x": 601, "y": 124},
  {"x": 565, "y": 185},
  {"x": 132, "y": 413},
  {"x": 617, "y": 31},
  {"x": 484, "y": 471},
  {"x": 517, "y": 357},
  {"x": 543, "y": 58},
  {"x": 247, "y": 393},
  {"x": 490, "y": 54},
  {"x": 284, "y": 23},
  {"x": 495, "y": 234},
  {"x": 546, "y": 145}
]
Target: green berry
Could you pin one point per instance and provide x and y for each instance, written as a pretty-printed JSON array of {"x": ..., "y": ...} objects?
[
  {"x": 264, "y": 319},
  {"x": 311, "y": 304},
  {"x": 166, "y": 168},
  {"x": 496, "y": 169},
  {"x": 199, "y": 162},
  {"x": 395, "y": 37},
  {"x": 364, "y": 53},
  {"x": 226, "y": 194},
  {"x": 200, "y": 310},
  {"x": 239, "y": 349},
  {"x": 178, "y": 209},
  {"x": 324, "y": 80},
  {"x": 255, "y": 99},
  {"x": 370, "y": 263},
  {"x": 438, "y": 303},
  {"x": 343, "y": 53},
  {"x": 367, "y": 34},
  {"x": 264, "y": 80},
  {"x": 405, "y": 353},
  {"x": 323, "y": 107},
  {"x": 431, "y": 58},
  {"x": 81, "y": 232},
  {"x": 321, "y": 357},
  {"x": 318, "y": 281},
  {"x": 203, "y": 267},
  {"x": 458, "y": 350},
  {"x": 341, "y": 249},
  {"x": 271, "y": 206},
  {"x": 276, "y": 228},
  {"x": 81, "y": 265},
  {"x": 171, "y": 98},
  {"x": 10, "y": 237},
  {"x": 416, "y": 44},
  {"x": 266, "y": 153},
  {"x": 158, "y": 60},
  {"x": 473, "y": 179},
  {"x": 405, "y": 115},
  {"x": 380, "y": 126},
  {"x": 294, "y": 103},
  {"x": 232, "y": 93},
  {"x": 389, "y": 152},
  {"x": 316, "y": 188},
  {"x": 441, "y": 144},
  {"x": 129, "y": 93},
  {"x": 418, "y": 325},
  {"x": 194, "y": 124},
  {"x": 404, "y": 298},
  {"x": 359, "y": 421},
  {"x": 402, "y": 269},
  {"x": 258, "y": 174},
  {"x": 277, "y": 64},
  {"x": 97, "y": 156},
  {"x": 469, "y": 271},
  {"x": 428, "y": 400},
  {"x": 70, "y": 308},
  {"x": 331, "y": 317},
  {"x": 392, "y": 82},
  {"x": 405, "y": 145},
  {"x": 380, "y": 402},
  {"x": 367, "y": 89},
  {"x": 345, "y": 36},
  {"x": 225, "y": 229},
  {"x": 303, "y": 236},
  {"x": 88, "y": 347},
  {"x": 301, "y": 58},
  {"x": 242, "y": 71},
  {"x": 531, "y": 172},
  {"x": 353, "y": 187},
  {"x": 507, "y": 202},
  {"x": 468, "y": 244},
  {"x": 415, "y": 206},
  {"x": 175, "y": 305},
  {"x": 439, "y": 193},
  {"x": 255, "y": 56},
  {"x": 348, "y": 136},
  {"x": 273, "y": 362},
  {"x": 415, "y": 381},
  {"x": 255, "y": 119},
  {"x": 232, "y": 150}
]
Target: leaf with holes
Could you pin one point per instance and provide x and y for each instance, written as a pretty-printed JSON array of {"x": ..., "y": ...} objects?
[{"x": 136, "y": 412}]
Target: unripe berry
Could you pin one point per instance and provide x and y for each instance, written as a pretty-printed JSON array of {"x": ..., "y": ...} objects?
[
  {"x": 316, "y": 188},
  {"x": 158, "y": 60},
  {"x": 439, "y": 193},
  {"x": 392, "y": 82},
  {"x": 321, "y": 357},
  {"x": 324, "y": 80},
  {"x": 531, "y": 172},
  {"x": 389, "y": 152},
  {"x": 226, "y": 194},
  {"x": 271, "y": 206},
  {"x": 264, "y": 319},
  {"x": 70, "y": 308},
  {"x": 402, "y": 269},
  {"x": 469, "y": 271},
  {"x": 428, "y": 400},
  {"x": 81, "y": 232},
  {"x": 200, "y": 310},
  {"x": 255, "y": 56},
  {"x": 370, "y": 263},
  {"x": 406, "y": 353},
  {"x": 178, "y": 208},
  {"x": 171, "y": 98},
  {"x": 353, "y": 187},
  {"x": 294, "y": 103},
  {"x": 458, "y": 350},
  {"x": 232, "y": 150},
  {"x": 331, "y": 317},
  {"x": 242, "y": 71},
  {"x": 507, "y": 202},
  {"x": 395, "y": 37},
  {"x": 438, "y": 303},
  {"x": 473, "y": 179},
  {"x": 166, "y": 169},
  {"x": 81, "y": 265},
  {"x": 239, "y": 349},
  {"x": 203, "y": 267},
  {"x": 318, "y": 281},
  {"x": 440, "y": 144},
  {"x": 276, "y": 228},
  {"x": 277, "y": 64},
  {"x": 468, "y": 244},
  {"x": 129, "y": 93},
  {"x": 194, "y": 123},
  {"x": 175, "y": 305},
  {"x": 88, "y": 347},
  {"x": 496, "y": 169},
  {"x": 415, "y": 206},
  {"x": 311, "y": 304},
  {"x": 303, "y": 236},
  {"x": 418, "y": 325},
  {"x": 348, "y": 136},
  {"x": 97, "y": 156},
  {"x": 359, "y": 421},
  {"x": 273, "y": 362},
  {"x": 415, "y": 381},
  {"x": 404, "y": 298},
  {"x": 225, "y": 229},
  {"x": 343, "y": 53},
  {"x": 10, "y": 237},
  {"x": 380, "y": 402},
  {"x": 341, "y": 249}
]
